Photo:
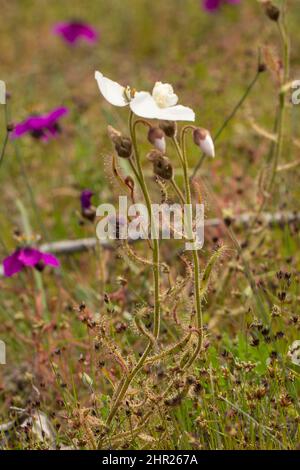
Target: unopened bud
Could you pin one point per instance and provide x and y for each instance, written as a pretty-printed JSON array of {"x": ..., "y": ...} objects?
[
  {"x": 161, "y": 165},
  {"x": 123, "y": 145},
  {"x": 272, "y": 11},
  {"x": 169, "y": 128},
  {"x": 156, "y": 137},
  {"x": 203, "y": 139}
]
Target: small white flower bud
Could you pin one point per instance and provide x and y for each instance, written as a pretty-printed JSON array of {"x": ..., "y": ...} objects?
[
  {"x": 203, "y": 139},
  {"x": 156, "y": 137}
]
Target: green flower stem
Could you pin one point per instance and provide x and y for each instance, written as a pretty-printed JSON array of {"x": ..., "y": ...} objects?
[
  {"x": 198, "y": 306},
  {"x": 228, "y": 119},
  {"x": 156, "y": 327},
  {"x": 177, "y": 190}
]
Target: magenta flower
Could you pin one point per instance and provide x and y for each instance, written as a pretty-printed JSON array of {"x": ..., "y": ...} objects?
[
  {"x": 87, "y": 209},
  {"x": 27, "y": 256},
  {"x": 43, "y": 127},
  {"x": 213, "y": 5},
  {"x": 85, "y": 199},
  {"x": 73, "y": 31}
]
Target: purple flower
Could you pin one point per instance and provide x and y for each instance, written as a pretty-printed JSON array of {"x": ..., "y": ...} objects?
[
  {"x": 85, "y": 199},
  {"x": 73, "y": 31},
  {"x": 213, "y": 5},
  {"x": 27, "y": 256},
  {"x": 87, "y": 210},
  {"x": 43, "y": 127}
]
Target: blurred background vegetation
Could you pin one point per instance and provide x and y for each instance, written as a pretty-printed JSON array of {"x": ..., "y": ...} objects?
[{"x": 210, "y": 59}]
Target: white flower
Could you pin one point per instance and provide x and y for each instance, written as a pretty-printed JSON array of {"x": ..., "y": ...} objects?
[
  {"x": 145, "y": 105},
  {"x": 164, "y": 95},
  {"x": 162, "y": 104},
  {"x": 203, "y": 139},
  {"x": 294, "y": 352}
]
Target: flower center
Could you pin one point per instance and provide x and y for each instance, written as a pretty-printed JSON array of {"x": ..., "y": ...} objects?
[
  {"x": 163, "y": 94},
  {"x": 129, "y": 93}
]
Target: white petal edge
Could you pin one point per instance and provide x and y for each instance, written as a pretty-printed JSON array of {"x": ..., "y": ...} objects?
[
  {"x": 112, "y": 91},
  {"x": 144, "y": 105},
  {"x": 207, "y": 146}
]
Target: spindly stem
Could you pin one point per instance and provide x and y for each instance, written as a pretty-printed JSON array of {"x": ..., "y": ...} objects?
[
  {"x": 282, "y": 97},
  {"x": 276, "y": 150},
  {"x": 156, "y": 321},
  {"x": 30, "y": 192},
  {"x": 177, "y": 190},
  {"x": 198, "y": 306},
  {"x": 228, "y": 119},
  {"x": 24, "y": 175}
]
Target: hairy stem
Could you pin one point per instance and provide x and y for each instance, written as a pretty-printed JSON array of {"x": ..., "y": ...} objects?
[
  {"x": 198, "y": 306},
  {"x": 156, "y": 321}
]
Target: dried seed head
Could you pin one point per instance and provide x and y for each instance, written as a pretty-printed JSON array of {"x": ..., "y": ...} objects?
[
  {"x": 156, "y": 137},
  {"x": 124, "y": 148},
  {"x": 123, "y": 145},
  {"x": 113, "y": 134},
  {"x": 272, "y": 11},
  {"x": 202, "y": 139},
  {"x": 161, "y": 165},
  {"x": 169, "y": 128}
]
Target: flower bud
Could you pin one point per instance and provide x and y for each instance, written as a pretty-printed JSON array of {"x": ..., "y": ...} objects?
[
  {"x": 169, "y": 128},
  {"x": 203, "y": 139},
  {"x": 161, "y": 165},
  {"x": 156, "y": 137},
  {"x": 123, "y": 145},
  {"x": 272, "y": 11}
]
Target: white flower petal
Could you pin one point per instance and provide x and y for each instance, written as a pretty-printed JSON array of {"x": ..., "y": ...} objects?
[
  {"x": 112, "y": 91},
  {"x": 160, "y": 144},
  {"x": 144, "y": 105},
  {"x": 207, "y": 146},
  {"x": 176, "y": 113}
]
